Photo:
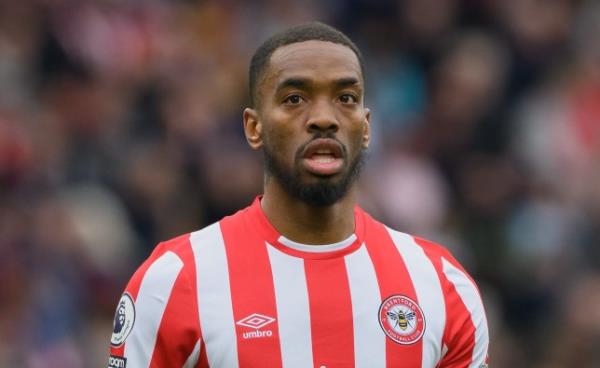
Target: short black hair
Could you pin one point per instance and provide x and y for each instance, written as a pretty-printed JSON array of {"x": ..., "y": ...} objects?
[{"x": 304, "y": 32}]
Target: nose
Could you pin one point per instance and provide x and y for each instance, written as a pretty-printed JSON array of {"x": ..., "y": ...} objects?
[{"x": 322, "y": 117}]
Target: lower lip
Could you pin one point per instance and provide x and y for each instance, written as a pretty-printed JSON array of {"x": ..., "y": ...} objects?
[{"x": 317, "y": 167}]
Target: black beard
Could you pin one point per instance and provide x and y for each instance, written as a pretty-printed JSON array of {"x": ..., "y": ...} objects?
[{"x": 321, "y": 194}]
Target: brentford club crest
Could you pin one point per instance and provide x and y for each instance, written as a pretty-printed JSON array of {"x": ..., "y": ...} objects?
[{"x": 402, "y": 319}]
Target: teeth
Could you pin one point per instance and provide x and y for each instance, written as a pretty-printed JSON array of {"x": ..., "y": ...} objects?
[{"x": 324, "y": 159}]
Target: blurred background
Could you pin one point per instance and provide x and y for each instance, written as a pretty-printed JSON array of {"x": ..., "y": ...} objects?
[{"x": 120, "y": 126}]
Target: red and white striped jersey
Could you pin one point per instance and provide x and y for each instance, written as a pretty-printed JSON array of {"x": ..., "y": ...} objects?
[{"x": 238, "y": 294}]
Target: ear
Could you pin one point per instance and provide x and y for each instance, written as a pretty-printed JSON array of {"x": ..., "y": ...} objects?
[
  {"x": 253, "y": 128},
  {"x": 367, "y": 129}
]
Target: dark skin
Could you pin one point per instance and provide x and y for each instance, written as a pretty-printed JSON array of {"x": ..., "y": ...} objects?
[{"x": 310, "y": 88}]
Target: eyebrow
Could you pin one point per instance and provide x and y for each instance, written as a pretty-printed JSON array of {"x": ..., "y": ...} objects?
[
  {"x": 300, "y": 83},
  {"x": 346, "y": 82},
  {"x": 303, "y": 83}
]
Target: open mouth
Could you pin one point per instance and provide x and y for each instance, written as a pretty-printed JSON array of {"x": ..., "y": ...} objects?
[{"x": 323, "y": 157}]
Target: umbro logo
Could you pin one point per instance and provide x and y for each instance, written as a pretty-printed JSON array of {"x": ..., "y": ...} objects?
[{"x": 256, "y": 321}]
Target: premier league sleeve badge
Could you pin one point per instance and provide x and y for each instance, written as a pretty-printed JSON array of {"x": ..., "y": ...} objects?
[{"x": 124, "y": 320}]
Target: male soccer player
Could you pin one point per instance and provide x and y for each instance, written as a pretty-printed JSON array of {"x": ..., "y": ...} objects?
[{"x": 302, "y": 277}]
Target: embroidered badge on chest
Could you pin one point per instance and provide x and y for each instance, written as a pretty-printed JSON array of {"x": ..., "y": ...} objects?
[
  {"x": 402, "y": 319},
  {"x": 124, "y": 320}
]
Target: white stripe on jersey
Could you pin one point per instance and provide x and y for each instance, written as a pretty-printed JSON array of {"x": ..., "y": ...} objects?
[
  {"x": 153, "y": 295},
  {"x": 214, "y": 297},
  {"x": 369, "y": 340},
  {"x": 429, "y": 294},
  {"x": 470, "y": 297},
  {"x": 193, "y": 358},
  {"x": 293, "y": 312}
]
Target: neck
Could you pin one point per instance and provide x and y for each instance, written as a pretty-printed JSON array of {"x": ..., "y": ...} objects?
[{"x": 308, "y": 224}]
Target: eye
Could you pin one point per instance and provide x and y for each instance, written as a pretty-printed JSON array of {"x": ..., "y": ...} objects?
[
  {"x": 292, "y": 100},
  {"x": 348, "y": 99}
]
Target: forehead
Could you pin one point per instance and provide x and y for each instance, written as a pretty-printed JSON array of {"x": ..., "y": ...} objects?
[{"x": 318, "y": 60}]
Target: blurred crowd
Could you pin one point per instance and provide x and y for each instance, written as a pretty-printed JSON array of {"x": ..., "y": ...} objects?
[{"x": 120, "y": 126}]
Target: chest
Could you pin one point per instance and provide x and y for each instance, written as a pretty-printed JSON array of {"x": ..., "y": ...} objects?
[{"x": 318, "y": 313}]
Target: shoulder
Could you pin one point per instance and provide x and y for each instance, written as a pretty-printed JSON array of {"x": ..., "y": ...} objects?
[
  {"x": 177, "y": 252},
  {"x": 435, "y": 252},
  {"x": 447, "y": 266},
  {"x": 181, "y": 245},
  {"x": 166, "y": 262},
  {"x": 425, "y": 255},
  {"x": 422, "y": 254},
  {"x": 185, "y": 247},
  {"x": 170, "y": 266},
  {"x": 404, "y": 240}
]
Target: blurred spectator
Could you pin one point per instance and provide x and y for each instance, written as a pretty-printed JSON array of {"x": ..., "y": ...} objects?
[{"x": 574, "y": 334}]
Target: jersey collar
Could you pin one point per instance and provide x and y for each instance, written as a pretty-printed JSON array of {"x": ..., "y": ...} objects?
[{"x": 327, "y": 251}]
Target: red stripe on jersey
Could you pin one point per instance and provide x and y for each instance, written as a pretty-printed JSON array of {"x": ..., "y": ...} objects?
[
  {"x": 169, "y": 352},
  {"x": 330, "y": 313},
  {"x": 459, "y": 334},
  {"x": 393, "y": 279},
  {"x": 203, "y": 360},
  {"x": 133, "y": 287},
  {"x": 252, "y": 293}
]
